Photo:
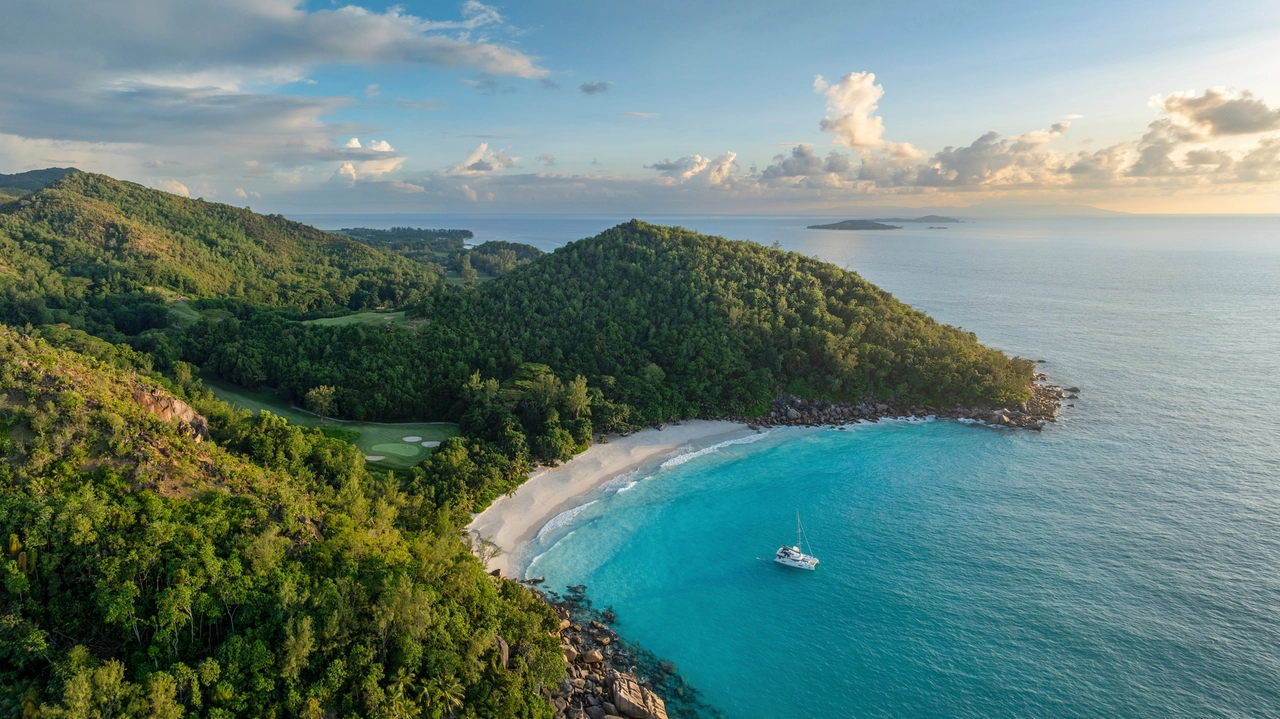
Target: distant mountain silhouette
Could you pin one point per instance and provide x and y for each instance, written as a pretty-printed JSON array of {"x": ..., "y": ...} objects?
[
  {"x": 926, "y": 218},
  {"x": 33, "y": 180},
  {"x": 855, "y": 225}
]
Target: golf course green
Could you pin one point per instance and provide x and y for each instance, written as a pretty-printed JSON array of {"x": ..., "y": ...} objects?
[{"x": 399, "y": 445}]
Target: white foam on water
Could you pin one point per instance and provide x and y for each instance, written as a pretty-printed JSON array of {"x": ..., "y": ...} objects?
[
  {"x": 524, "y": 573},
  {"x": 562, "y": 519},
  {"x": 680, "y": 459},
  {"x": 627, "y": 487}
]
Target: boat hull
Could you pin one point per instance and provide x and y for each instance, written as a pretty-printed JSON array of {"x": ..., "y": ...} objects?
[{"x": 801, "y": 561}]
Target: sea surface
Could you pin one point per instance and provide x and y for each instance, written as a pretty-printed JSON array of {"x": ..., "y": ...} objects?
[{"x": 1123, "y": 563}]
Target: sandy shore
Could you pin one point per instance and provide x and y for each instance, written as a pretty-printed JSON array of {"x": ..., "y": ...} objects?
[{"x": 513, "y": 520}]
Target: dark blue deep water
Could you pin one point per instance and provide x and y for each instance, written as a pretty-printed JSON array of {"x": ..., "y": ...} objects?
[{"x": 1123, "y": 563}]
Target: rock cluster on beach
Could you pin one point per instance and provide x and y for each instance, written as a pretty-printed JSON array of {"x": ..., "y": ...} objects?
[
  {"x": 594, "y": 688},
  {"x": 1033, "y": 414}
]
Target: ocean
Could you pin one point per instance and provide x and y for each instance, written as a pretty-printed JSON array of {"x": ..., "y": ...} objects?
[{"x": 1125, "y": 562}]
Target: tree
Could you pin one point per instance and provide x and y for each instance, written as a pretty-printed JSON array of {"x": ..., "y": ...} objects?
[
  {"x": 468, "y": 272},
  {"x": 320, "y": 400},
  {"x": 576, "y": 399}
]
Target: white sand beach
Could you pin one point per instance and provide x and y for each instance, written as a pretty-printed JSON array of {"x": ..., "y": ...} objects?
[{"x": 515, "y": 519}]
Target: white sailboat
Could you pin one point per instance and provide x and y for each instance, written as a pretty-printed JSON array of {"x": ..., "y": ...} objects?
[{"x": 793, "y": 556}]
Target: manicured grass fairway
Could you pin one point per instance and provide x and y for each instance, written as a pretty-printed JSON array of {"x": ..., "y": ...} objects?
[
  {"x": 385, "y": 441},
  {"x": 364, "y": 318}
]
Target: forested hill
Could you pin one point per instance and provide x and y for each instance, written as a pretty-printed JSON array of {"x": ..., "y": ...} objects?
[
  {"x": 679, "y": 324},
  {"x": 88, "y": 237},
  {"x": 663, "y": 322},
  {"x": 144, "y": 573},
  {"x": 33, "y": 180}
]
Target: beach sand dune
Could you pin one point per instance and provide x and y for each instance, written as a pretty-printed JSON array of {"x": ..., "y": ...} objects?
[{"x": 515, "y": 519}]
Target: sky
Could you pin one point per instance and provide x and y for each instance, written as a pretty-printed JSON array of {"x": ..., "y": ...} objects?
[{"x": 655, "y": 107}]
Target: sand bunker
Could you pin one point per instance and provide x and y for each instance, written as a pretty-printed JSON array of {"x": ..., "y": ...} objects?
[
  {"x": 412, "y": 439},
  {"x": 430, "y": 443},
  {"x": 374, "y": 457}
]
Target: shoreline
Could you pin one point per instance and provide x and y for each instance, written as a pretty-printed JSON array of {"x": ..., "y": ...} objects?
[{"x": 512, "y": 520}]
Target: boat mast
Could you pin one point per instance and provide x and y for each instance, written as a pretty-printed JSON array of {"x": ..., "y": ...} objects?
[{"x": 799, "y": 547}]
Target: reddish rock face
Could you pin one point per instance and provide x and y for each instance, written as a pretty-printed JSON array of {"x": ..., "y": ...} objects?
[{"x": 167, "y": 407}]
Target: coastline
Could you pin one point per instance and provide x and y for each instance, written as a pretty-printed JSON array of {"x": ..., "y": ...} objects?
[{"x": 516, "y": 518}]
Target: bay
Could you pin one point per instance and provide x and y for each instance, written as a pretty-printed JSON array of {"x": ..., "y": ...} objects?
[{"x": 1124, "y": 562}]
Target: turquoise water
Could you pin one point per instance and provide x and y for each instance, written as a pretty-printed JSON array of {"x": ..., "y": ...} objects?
[{"x": 1123, "y": 563}]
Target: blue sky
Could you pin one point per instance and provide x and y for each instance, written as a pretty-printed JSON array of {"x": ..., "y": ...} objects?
[{"x": 696, "y": 106}]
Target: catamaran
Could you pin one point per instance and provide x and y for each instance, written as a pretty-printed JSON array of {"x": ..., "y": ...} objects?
[{"x": 792, "y": 556}]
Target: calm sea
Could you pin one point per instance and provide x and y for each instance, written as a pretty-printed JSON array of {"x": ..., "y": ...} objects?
[{"x": 1123, "y": 563}]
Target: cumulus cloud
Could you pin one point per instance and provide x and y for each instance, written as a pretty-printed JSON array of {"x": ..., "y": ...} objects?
[
  {"x": 353, "y": 143},
  {"x": 683, "y": 168},
  {"x": 595, "y": 87},
  {"x": 715, "y": 171},
  {"x": 1216, "y": 113},
  {"x": 851, "y": 107},
  {"x": 380, "y": 146},
  {"x": 345, "y": 175},
  {"x": 803, "y": 163},
  {"x": 175, "y": 187},
  {"x": 192, "y": 82},
  {"x": 547, "y": 159},
  {"x": 482, "y": 160}
]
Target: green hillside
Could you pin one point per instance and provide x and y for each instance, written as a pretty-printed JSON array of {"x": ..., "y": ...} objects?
[
  {"x": 89, "y": 250},
  {"x": 264, "y": 573},
  {"x": 667, "y": 322},
  {"x": 33, "y": 180}
]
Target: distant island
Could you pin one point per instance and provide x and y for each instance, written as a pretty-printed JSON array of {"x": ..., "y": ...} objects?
[
  {"x": 855, "y": 225},
  {"x": 926, "y": 218}
]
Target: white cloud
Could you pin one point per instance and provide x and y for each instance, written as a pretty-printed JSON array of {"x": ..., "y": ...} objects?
[
  {"x": 1216, "y": 113},
  {"x": 240, "y": 193},
  {"x": 547, "y": 159},
  {"x": 345, "y": 175},
  {"x": 196, "y": 88},
  {"x": 482, "y": 160},
  {"x": 353, "y": 143},
  {"x": 851, "y": 104},
  {"x": 175, "y": 187},
  {"x": 683, "y": 168},
  {"x": 710, "y": 172},
  {"x": 468, "y": 193}
]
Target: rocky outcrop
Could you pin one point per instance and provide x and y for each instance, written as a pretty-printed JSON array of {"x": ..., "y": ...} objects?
[
  {"x": 1032, "y": 414},
  {"x": 167, "y": 407},
  {"x": 635, "y": 701},
  {"x": 602, "y": 681}
]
